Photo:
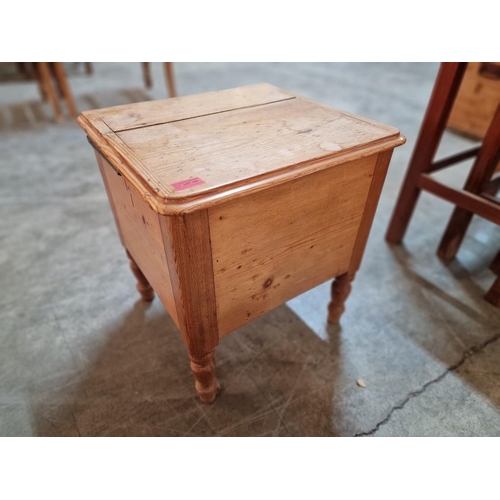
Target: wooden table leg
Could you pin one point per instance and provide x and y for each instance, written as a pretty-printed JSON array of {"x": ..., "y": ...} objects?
[
  {"x": 64, "y": 86},
  {"x": 436, "y": 116},
  {"x": 341, "y": 288},
  {"x": 480, "y": 174},
  {"x": 203, "y": 368},
  {"x": 38, "y": 78},
  {"x": 146, "y": 73},
  {"x": 189, "y": 259},
  {"x": 43, "y": 74},
  {"x": 89, "y": 69},
  {"x": 143, "y": 286},
  {"x": 169, "y": 76}
]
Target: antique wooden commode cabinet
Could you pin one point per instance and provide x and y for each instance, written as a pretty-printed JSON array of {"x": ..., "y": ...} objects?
[{"x": 230, "y": 203}]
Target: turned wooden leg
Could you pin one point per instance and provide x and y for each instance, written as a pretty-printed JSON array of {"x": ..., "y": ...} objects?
[
  {"x": 341, "y": 288},
  {"x": 143, "y": 286},
  {"x": 203, "y": 368}
]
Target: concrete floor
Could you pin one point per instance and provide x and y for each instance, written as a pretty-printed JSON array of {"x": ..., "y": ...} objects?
[{"x": 81, "y": 355}]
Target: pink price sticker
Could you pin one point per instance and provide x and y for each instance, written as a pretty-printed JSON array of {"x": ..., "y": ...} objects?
[{"x": 188, "y": 183}]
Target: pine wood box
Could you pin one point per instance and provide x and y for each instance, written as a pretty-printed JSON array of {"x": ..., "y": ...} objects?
[{"x": 231, "y": 203}]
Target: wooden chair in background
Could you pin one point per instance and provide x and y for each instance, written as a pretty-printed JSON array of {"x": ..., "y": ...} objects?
[
  {"x": 64, "y": 88},
  {"x": 46, "y": 85},
  {"x": 168, "y": 68},
  {"x": 53, "y": 83},
  {"x": 48, "y": 74},
  {"x": 477, "y": 196},
  {"x": 58, "y": 72}
]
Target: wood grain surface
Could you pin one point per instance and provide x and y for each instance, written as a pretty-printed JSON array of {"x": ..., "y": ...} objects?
[
  {"x": 232, "y": 203},
  {"x": 230, "y": 143},
  {"x": 273, "y": 245},
  {"x": 140, "y": 233},
  {"x": 146, "y": 114},
  {"x": 189, "y": 257}
]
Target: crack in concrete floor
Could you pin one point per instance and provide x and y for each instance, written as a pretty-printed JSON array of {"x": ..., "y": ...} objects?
[{"x": 467, "y": 354}]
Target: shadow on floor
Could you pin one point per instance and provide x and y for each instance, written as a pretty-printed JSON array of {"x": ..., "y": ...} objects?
[
  {"x": 278, "y": 378},
  {"x": 468, "y": 328}
]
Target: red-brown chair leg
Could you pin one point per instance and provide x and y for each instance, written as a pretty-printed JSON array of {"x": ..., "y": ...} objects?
[
  {"x": 481, "y": 173},
  {"x": 436, "y": 116}
]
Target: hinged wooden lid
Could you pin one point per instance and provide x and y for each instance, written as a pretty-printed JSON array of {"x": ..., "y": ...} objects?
[{"x": 190, "y": 152}]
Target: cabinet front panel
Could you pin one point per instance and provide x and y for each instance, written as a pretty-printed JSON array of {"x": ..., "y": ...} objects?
[{"x": 276, "y": 244}]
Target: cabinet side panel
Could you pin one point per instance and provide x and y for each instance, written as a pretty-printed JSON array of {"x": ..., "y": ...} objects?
[
  {"x": 381, "y": 166},
  {"x": 139, "y": 230},
  {"x": 276, "y": 244}
]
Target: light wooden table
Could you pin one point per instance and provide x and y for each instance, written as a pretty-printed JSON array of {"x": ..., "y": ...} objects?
[{"x": 231, "y": 203}]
